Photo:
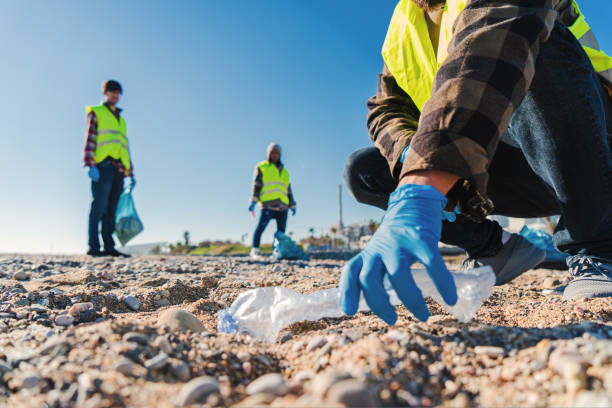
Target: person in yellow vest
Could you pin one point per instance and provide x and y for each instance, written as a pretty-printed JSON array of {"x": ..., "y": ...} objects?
[
  {"x": 484, "y": 107},
  {"x": 272, "y": 190},
  {"x": 107, "y": 160}
]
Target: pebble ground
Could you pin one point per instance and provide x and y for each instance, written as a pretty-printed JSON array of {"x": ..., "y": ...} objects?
[{"x": 79, "y": 331}]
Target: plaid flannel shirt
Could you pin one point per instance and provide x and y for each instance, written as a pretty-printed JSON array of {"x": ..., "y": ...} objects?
[{"x": 489, "y": 68}]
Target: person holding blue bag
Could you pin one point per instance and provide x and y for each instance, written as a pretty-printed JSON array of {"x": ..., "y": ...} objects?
[
  {"x": 272, "y": 190},
  {"x": 107, "y": 160}
]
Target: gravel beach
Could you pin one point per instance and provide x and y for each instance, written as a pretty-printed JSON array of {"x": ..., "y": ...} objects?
[{"x": 141, "y": 332}]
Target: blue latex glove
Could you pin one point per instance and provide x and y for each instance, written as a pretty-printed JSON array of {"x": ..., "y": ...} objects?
[
  {"x": 252, "y": 206},
  {"x": 94, "y": 174},
  {"x": 409, "y": 232},
  {"x": 293, "y": 211},
  {"x": 132, "y": 183}
]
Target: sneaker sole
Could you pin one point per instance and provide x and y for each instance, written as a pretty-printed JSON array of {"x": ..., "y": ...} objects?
[{"x": 576, "y": 292}]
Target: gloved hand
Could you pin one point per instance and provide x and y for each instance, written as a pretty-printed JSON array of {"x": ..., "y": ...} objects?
[
  {"x": 252, "y": 206},
  {"x": 293, "y": 211},
  {"x": 94, "y": 174},
  {"x": 132, "y": 183},
  {"x": 409, "y": 232}
]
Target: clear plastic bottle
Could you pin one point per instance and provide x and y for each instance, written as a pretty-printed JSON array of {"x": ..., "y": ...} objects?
[{"x": 264, "y": 312}]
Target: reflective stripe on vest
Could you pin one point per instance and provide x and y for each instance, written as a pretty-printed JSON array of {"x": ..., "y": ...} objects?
[
  {"x": 275, "y": 184},
  {"x": 409, "y": 55},
  {"x": 112, "y": 138},
  {"x": 581, "y": 30}
]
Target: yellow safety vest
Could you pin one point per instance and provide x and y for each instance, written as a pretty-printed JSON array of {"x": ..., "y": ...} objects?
[
  {"x": 411, "y": 59},
  {"x": 112, "y": 136},
  {"x": 275, "y": 183}
]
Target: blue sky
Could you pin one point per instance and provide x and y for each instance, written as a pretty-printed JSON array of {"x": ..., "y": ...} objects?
[{"x": 208, "y": 84}]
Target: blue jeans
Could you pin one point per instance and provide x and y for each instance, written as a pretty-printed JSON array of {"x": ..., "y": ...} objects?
[
  {"x": 106, "y": 193},
  {"x": 554, "y": 159},
  {"x": 264, "y": 219}
]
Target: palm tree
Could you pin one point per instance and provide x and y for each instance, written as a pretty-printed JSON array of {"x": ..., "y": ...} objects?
[
  {"x": 311, "y": 230},
  {"x": 186, "y": 236}
]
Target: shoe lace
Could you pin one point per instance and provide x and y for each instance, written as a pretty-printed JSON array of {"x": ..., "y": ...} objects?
[
  {"x": 469, "y": 263},
  {"x": 585, "y": 265}
]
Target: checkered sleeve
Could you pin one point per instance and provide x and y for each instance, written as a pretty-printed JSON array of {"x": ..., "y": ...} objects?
[
  {"x": 257, "y": 184},
  {"x": 489, "y": 69},
  {"x": 91, "y": 135},
  {"x": 392, "y": 121}
]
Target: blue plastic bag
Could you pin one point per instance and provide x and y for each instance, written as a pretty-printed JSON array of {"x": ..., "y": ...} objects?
[
  {"x": 285, "y": 248},
  {"x": 127, "y": 223},
  {"x": 543, "y": 241}
]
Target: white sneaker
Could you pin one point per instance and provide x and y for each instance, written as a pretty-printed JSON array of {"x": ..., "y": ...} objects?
[{"x": 256, "y": 254}]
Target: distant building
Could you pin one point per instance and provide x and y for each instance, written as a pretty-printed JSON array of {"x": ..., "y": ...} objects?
[{"x": 352, "y": 233}]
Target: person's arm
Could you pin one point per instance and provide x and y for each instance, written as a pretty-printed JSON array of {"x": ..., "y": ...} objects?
[
  {"x": 257, "y": 184},
  {"x": 290, "y": 195},
  {"x": 476, "y": 91},
  {"x": 91, "y": 135},
  {"x": 130, "y": 172},
  {"x": 392, "y": 121}
]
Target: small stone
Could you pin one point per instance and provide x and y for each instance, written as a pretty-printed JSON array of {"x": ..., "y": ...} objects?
[
  {"x": 550, "y": 283},
  {"x": 243, "y": 356},
  {"x": 135, "y": 337},
  {"x": 30, "y": 381},
  {"x": 157, "y": 363},
  {"x": 21, "y": 275},
  {"x": 125, "y": 366},
  {"x": 277, "y": 268},
  {"x": 489, "y": 350},
  {"x": 297, "y": 346},
  {"x": 180, "y": 320},
  {"x": 80, "y": 307},
  {"x": 269, "y": 384},
  {"x": 197, "y": 390},
  {"x": 315, "y": 343},
  {"x": 162, "y": 343},
  {"x": 572, "y": 367},
  {"x": 351, "y": 393},
  {"x": 64, "y": 320},
  {"x": 182, "y": 371},
  {"x": 209, "y": 282},
  {"x": 247, "y": 368},
  {"x": 395, "y": 335},
  {"x": 4, "y": 368},
  {"x": 321, "y": 384},
  {"x": 132, "y": 302},
  {"x": 22, "y": 302},
  {"x": 38, "y": 308},
  {"x": 163, "y": 302}
]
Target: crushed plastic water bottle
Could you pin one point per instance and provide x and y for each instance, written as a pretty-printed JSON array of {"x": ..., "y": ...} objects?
[{"x": 264, "y": 312}]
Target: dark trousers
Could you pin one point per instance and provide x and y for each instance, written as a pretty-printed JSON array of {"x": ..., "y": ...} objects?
[
  {"x": 264, "y": 219},
  {"x": 106, "y": 193},
  {"x": 554, "y": 159}
]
